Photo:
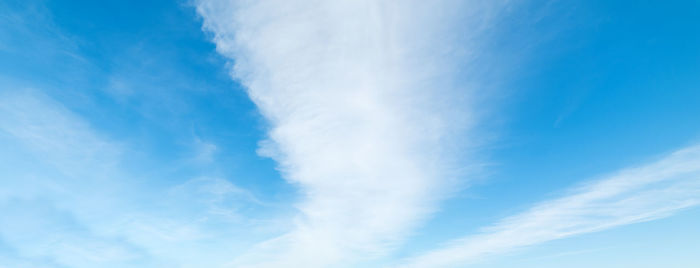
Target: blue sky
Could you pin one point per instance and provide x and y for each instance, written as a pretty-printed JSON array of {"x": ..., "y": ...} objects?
[{"x": 226, "y": 133}]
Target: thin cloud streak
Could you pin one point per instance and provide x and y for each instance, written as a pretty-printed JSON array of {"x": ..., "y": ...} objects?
[
  {"x": 363, "y": 108},
  {"x": 634, "y": 195}
]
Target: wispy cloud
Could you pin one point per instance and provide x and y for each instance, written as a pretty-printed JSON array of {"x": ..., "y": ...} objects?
[
  {"x": 66, "y": 199},
  {"x": 633, "y": 195},
  {"x": 363, "y": 108},
  {"x": 60, "y": 184},
  {"x": 55, "y": 138}
]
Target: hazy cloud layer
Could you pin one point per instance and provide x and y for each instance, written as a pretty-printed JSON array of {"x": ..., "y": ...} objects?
[{"x": 66, "y": 200}]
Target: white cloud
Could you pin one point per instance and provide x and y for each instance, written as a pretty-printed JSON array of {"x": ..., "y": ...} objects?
[
  {"x": 53, "y": 133},
  {"x": 363, "y": 112},
  {"x": 54, "y": 152},
  {"x": 67, "y": 201},
  {"x": 629, "y": 196}
]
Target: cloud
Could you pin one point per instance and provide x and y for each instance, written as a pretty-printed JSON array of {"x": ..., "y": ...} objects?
[
  {"x": 365, "y": 115},
  {"x": 59, "y": 185},
  {"x": 68, "y": 201},
  {"x": 57, "y": 140},
  {"x": 633, "y": 195}
]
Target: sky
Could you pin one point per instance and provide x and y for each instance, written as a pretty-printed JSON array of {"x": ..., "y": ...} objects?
[{"x": 349, "y": 133}]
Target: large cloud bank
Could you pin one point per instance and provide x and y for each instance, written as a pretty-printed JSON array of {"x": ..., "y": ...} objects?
[{"x": 363, "y": 112}]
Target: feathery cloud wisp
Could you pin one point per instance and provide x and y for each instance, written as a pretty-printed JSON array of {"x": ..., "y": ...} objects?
[
  {"x": 362, "y": 106},
  {"x": 633, "y": 195},
  {"x": 67, "y": 200}
]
